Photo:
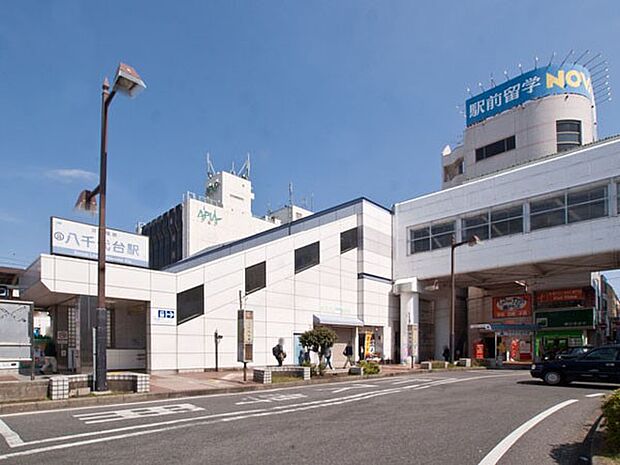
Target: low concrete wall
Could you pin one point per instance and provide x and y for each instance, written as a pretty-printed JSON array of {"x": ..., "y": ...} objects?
[
  {"x": 265, "y": 375},
  {"x": 20, "y": 391},
  {"x": 62, "y": 387}
]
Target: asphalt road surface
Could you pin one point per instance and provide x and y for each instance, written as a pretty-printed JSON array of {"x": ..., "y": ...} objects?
[{"x": 467, "y": 417}]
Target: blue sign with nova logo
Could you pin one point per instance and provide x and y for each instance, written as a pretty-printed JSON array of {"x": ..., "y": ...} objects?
[{"x": 540, "y": 82}]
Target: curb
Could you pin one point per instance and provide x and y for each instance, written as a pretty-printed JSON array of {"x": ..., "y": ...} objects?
[
  {"x": 597, "y": 442},
  {"x": 22, "y": 407}
]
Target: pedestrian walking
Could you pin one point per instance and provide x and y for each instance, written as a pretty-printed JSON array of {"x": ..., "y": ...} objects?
[
  {"x": 446, "y": 353},
  {"x": 348, "y": 353},
  {"x": 328, "y": 358}
]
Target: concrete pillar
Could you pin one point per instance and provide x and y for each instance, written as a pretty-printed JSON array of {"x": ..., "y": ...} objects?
[{"x": 409, "y": 315}]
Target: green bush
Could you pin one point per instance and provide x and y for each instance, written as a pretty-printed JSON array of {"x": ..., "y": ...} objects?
[
  {"x": 611, "y": 411},
  {"x": 370, "y": 368}
]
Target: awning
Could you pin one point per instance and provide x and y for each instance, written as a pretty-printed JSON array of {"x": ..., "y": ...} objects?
[
  {"x": 496, "y": 327},
  {"x": 336, "y": 320}
]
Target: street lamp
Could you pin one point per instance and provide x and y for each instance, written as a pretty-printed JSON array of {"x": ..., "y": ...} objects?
[
  {"x": 127, "y": 81},
  {"x": 473, "y": 240}
]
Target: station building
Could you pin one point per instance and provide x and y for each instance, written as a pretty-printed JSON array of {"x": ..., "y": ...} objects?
[{"x": 530, "y": 180}]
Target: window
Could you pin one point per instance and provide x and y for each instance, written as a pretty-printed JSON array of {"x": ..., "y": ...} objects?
[
  {"x": 605, "y": 353},
  {"x": 548, "y": 212},
  {"x": 306, "y": 257},
  {"x": 441, "y": 235},
  {"x": 419, "y": 240},
  {"x": 496, "y": 148},
  {"x": 568, "y": 134},
  {"x": 348, "y": 240},
  {"x": 571, "y": 207},
  {"x": 255, "y": 277},
  {"x": 507, "y": 221},
  {"x": 587, "y": 204},
  {"x": 477, "y": 225},
  {"x": 190, "y": 304}
]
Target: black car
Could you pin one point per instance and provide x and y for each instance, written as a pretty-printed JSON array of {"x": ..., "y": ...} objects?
[{"x": 599, "y": 365}]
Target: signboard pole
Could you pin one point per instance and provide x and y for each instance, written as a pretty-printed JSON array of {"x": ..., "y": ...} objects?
[{"x": 32, "y": 359}]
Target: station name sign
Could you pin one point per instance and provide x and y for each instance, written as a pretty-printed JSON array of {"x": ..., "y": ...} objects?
[
  {"x": 539, "y": 82},
  {"x": 76, "y": 239}
]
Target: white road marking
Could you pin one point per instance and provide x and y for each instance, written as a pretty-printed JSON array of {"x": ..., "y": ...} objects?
[
  {"x": 500, "y": 449},
  {"x": 10, "y": 436},
  {"x": 132, "y": 414},
  {"x": 204, "y": 420},
  {"x": 413, "y": 380},
  {"x": 268, "y": 398},
  {"x": 598, "y": 394}
]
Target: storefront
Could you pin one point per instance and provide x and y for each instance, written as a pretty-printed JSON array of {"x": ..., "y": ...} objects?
[
  {"x": 565, "y": 318},
  {"x": 508, "y": 342}
]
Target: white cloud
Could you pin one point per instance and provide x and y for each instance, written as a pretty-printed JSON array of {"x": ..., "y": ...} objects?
[{"x": 71, "y": 174}]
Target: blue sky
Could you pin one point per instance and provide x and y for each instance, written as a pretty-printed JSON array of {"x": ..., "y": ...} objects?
[{"x": 343, "y": 98}]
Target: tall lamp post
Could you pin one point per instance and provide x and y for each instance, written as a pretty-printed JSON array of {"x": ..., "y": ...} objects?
[
  {"x": 473, "y": 240},
  {"x": 127, "y": 81}
]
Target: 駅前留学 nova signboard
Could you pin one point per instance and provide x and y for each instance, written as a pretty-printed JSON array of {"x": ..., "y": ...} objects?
[
  {"x": 551, "y": 80},
  {"x": 81, "y": 240}
]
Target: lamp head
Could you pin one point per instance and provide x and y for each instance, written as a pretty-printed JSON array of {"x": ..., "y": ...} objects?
[
  {"x": 128, "y": 81},
  {"x": 473, "y": 240},
  {"x": 86, "y": 202}
]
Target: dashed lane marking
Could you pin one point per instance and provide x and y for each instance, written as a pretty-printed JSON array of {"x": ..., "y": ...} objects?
[
  {"x": 269, "y": 398},
  {"x": 10, "y": 436},
  {"x": 596, "y": 394}
]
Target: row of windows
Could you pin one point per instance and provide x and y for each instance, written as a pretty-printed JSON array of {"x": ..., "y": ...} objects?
[
  {"x": 496, "y": 148},
  {"x": 305, "y": 257},
  {"x": 567, "y": 207}
]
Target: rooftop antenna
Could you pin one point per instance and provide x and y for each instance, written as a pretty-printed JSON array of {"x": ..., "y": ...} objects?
[
  {"x": 232, "y": 170},
  {"x": 520, "y": 68},
  {"x": 492, "y": 81},
  {"x": 469, "y": 92},
  {"x": 210, "y": 169},
  {"x": 312, "y": 201},
  {"x": 535, "y": 62},
  {"x": 506, "y": 75},
  {"x": 290, "y": 193},
  {"x": 244, "y": 172},
  {"x": 592, "y": 59},
  {"x": 481, "y": 86},
  {"x": 567, "y": 57},
  {"x": 593, "y": 67},
  {"x": 599, "y": 72},
  {"x": 581, "y": 56},
  {"x": 551, "y": 59}
]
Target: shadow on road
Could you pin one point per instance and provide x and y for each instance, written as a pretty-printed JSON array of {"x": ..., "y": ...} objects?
[
  {"x": 570, "y": 454},
  {"x": 600, "y": 387}
]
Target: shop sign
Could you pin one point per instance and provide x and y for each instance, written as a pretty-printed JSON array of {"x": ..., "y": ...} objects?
[
  {"x": 550, "y": 298},
  {"x": 81, "y": 240},
  {"x": 245, "y": 335},
  {"x": 412, "y": 342},
  {"x": 209, "y": 217},
  {"x": 537, "y": 83},
  {"x": 479, "y": 351},
  {"x": 512, "y": 306},
  {"x": 575, "y": 318}
]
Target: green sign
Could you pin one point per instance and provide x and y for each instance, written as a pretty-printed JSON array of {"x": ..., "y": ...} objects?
[
  {"x": 210, "y": 217},
  {"x": 575, "y": 318}
]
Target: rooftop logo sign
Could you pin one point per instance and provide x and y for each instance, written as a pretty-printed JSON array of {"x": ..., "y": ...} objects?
[
  {"x": 210, "y": 217},
  {"x": 540, "y": 82}
]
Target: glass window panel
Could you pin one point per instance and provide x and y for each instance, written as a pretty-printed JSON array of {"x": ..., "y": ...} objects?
[
  {"x": 511, "y": 143},
  {"x": 481, "y": 231},
  {"x": 605, "y": 353},
  {"x": 442, "y": 228},
  {"x": 419, "y": 233},
  {"x": 512, "y": 212},
  {"x": 190, "y": 304},
  {"x": 495, "y": 148},
  {"x": 574, "y": 137},
  {"x": 255, "y": 277},
  {"x": 306, "y": 257},
  {"x": 507, "y": 227},
  {"x": 568, "y": 126},
  {"x": 420, "y": 245},
  {"x": 547, "y": 204},
  {"x": 440, "y": 241},
  {"x": 587, "y": 211},
  {"x": 476, "y": 220},
  {"x": 480, "y": 154},
  {"x": 348, "y": 240},
  {"x": 547, "y": 219},
  {"x": 598, "y": 193}
]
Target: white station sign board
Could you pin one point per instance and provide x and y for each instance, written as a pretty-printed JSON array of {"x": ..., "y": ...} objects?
[{"x": 81, "y": 240}]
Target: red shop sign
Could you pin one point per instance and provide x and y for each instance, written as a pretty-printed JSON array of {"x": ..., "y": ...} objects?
[{"x": 512, "y": 306}]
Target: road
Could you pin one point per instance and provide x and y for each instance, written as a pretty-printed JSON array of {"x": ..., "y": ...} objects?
[{"x": 468, "y": 417}]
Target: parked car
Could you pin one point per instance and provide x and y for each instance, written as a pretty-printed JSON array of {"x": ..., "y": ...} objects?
[
  {"x": 596, "y": 365},
  {"x": 573, "y": 352}
]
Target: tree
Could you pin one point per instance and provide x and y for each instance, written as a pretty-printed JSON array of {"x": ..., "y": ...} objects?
[{"x": 318, "y": 339}]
